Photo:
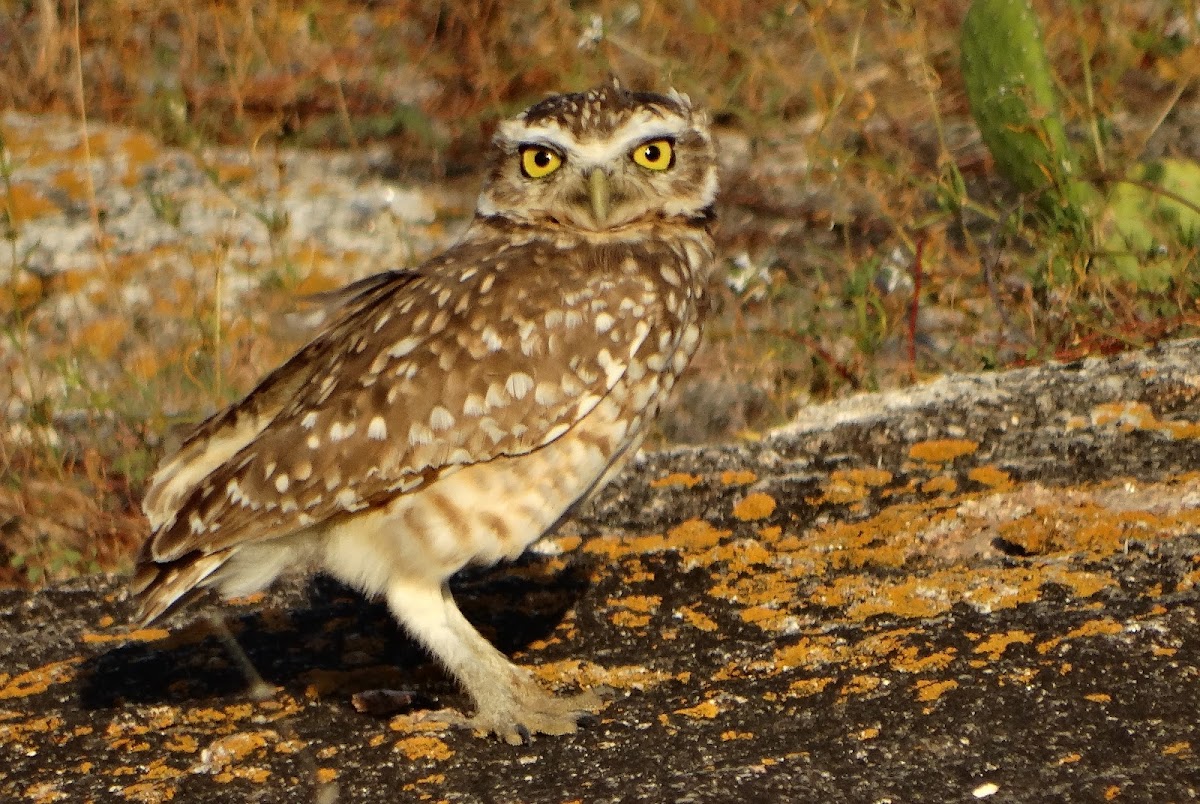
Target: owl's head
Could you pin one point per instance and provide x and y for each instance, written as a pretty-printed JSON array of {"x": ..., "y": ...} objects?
[{"x": 602, "y": 159}]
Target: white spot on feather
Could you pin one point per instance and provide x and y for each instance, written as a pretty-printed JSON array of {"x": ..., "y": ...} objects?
[
  {"x": 410, "y": 482},
  {"x": 554, "y": 432},
  {"x": 348, "y": 498},
  {"x": 495, "y": 396},
  {"x": 613, "y": 369},
  {"x": 585, "y": 405},
  {"x": 473, "y": 405},
  {"x": 546, "y": 393},
  {"x": 403, "y": 346},
  {"x": 518, "y": 384},
  {"x": 377, "y": 429},
  {"x": 494, "y": 431},
  {"x": 340, "y": 432},
  {"x": 491, "y": 339},
  {"x": 282, "y": 482},
  {"x": 440, "y": 418},
  {"x": 419, "y": 434},
  {"x": 460, "y": 456}
]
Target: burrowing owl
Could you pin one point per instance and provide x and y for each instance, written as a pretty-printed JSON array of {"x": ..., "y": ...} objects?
[{"x": 453, "y": 414}]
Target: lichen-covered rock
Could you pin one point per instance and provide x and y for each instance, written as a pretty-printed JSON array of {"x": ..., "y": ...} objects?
[{"x": 986, "y": 583}]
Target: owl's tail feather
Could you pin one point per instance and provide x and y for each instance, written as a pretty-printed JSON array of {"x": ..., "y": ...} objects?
[{"x": 163, "y": 588}]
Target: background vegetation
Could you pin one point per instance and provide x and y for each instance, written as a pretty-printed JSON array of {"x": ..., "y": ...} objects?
[{"x": 867, "y": 239}]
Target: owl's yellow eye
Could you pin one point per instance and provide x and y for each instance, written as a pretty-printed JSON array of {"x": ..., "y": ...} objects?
[
  {"x": 538, "y": 161},
  {"x": 654, "y": 154}
]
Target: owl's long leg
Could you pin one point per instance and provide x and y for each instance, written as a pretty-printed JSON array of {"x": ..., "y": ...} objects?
[{"x": 508, "y": 702}]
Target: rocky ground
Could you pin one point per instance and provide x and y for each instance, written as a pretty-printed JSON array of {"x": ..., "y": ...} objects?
[{"x": 983, "y": 588}]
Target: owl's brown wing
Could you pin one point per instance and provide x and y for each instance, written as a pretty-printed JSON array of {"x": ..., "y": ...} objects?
[
  {"x": 216, "y": 439},
  {"x": 483, "y": 354}
]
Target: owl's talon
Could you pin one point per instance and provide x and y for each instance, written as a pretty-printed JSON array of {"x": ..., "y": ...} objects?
[{"x": 530, "y": 711}]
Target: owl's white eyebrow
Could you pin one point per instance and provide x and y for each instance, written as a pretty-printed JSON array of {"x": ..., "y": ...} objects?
[{"x": 595, "y": 152}]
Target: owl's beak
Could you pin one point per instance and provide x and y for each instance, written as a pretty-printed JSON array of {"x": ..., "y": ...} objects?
[{"x": 598, "y": 192}]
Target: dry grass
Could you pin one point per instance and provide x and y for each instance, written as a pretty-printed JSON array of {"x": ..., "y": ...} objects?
[{"x": 868, "y": 241}]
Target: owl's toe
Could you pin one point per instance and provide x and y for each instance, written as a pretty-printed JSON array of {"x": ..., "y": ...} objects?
[{"x": 515, "y": 716}]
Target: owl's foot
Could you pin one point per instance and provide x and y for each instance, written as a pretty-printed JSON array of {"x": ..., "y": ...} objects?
[
  {"x": 516, "y": 713},
  {"x": 508, "y": 701}
]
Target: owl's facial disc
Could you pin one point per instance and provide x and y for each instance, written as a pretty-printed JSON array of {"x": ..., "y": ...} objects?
[
  {"x": 602, "y": 160},
  {"x": 601, "y": 184}
]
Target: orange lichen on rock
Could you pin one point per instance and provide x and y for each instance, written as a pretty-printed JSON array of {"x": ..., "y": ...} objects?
[
  {"x": 754, "y": 506},
  {"x": 706, "y": 710},
  {"x": 634, "y": 611},
  {"x": 738, "y": 477},
  {"x": 590, "y": 674},
  {"x": 812, "y": 652},
  {"x": 767, "y": 617},
  {"x": 252, "y": 599},
  {"x": 676, "y": 479},
  {"x": 804, "y": 687},
  {"x": 695, "y": 534},
  {"x": 861, "y": 684},
  {"x": 1100, "y": 627},
  {"x": 846, "y": 486},
  {"x": 225, "y": 751},
  {"x": 929, "y": 690},
  {"x": 39, "y": 679},
  {"x": 424, "y": 747},
  {"x": 1130, "y": 416},
  {"x": 251, "y": 774},
  {"x": 942, "y": 450},
  {"x": 942, "y": 484},
  {"x": 696, "y": 619},
  {"x": 995, "y": 644},
  {"x": 148, "y": 792},
  {"x": 23, "y": 203},
  {"x": 25, "y": 728},
  {"x": 871, "y": 478},
  {"x": 183, "y": 743},
  {"x": 990, "y": 476},
  {"x": 433, "y": 778}
]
